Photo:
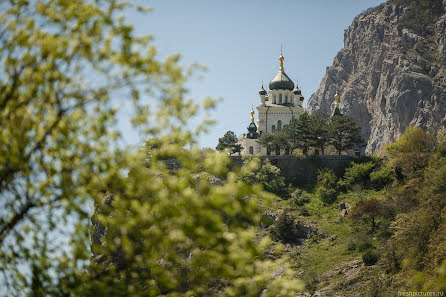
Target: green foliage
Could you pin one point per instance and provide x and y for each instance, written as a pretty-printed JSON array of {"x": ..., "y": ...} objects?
[
  {"x": 298, "y": 132},
  {"x": 275, "y": 140},
  {"x": 357, "y": 173},
  {"x": 410, "y": 153},
  {"x": 228, "y": 141},
  {"x": 268, "y": 141},
  {"x": 381, "y": 178},
  {"x": 65, "y": 66},
  {"x": 192, "y": 235},
  {"x": 370, "y": 257},
  {"x": 367, "y": 211},
  {"x": 287, "y": 230},
  {"x": 326, "y": 185},
  {"x": 261, "y": 171},
  {"x": 300, "y": 197},
  {"x": 319, "y": 131},
  {"x": 344, "y": 133},
  {"x": 364, "y": 245}
]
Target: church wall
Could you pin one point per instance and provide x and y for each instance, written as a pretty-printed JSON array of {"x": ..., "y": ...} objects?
[
  {"x": 247, "y": 143},
  {"x": 271, "y": 115}
]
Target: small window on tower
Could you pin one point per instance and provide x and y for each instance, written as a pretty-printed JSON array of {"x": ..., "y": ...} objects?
[
  {"x": 251, "y": 150},
  {"x": 280, "y": 98},
  {"x": 274, "y": 99},
  {"x": 273, "y": 128},
  {"x": 286, "y": 99}
]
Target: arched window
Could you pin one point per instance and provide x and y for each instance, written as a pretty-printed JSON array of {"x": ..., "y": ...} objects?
[
  {"x": 316, "y": 152},
  {"x": 286, "y": 99},
  {"x": 277, "y": 150},
  {"x": 251, "y": 150},
  {"x": 287, "y": 151},
  {"x": 273, "y": 128},
  {"x": 280, "y": 98},
  {"x": 284, "y": 127},
  {"x": 279, "y": 125},
  {"x": 274, "y": 99},
  {"x": 268, "y": 151}
]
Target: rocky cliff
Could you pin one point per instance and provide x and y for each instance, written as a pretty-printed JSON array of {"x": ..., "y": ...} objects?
[{"x": 391, "y": 72}]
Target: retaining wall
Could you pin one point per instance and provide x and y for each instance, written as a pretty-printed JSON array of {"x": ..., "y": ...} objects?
[{"x": 301, "y": 170}]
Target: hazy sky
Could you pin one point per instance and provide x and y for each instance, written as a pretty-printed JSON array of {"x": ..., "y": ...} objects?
[{"x": 239, "y": 42}]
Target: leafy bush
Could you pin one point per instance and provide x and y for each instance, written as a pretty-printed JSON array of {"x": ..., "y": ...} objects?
[
  {"x": 288, "y": 230},
  {"x": 367, "y": 211},
  {"x": 409, "y": 155},
  {"x": 358, "y": 173},
  {"x": 284, "y": 228},
  {"x": 351, "y": 245},
  {"x": 370, "y": 257},
  {"x": 381, "y": 178},
  {"x": 300, "y": 197},
  {"x": 327, "y": 195},
  {"x": 364, "y": 246},
  {"x": 263, "y": 172},
  {"x": 326, "y": 185}
]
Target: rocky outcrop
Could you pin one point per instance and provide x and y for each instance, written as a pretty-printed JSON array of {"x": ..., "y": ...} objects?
[{"x": 391, "y": 72}]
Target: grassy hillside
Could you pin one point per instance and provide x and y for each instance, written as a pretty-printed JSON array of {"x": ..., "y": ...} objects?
[{"x": 379, "y": 229}]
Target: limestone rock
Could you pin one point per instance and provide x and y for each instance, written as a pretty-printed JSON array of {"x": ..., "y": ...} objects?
[{"x": 389, "y": 74}]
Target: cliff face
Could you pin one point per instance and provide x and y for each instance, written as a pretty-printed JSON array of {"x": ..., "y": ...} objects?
[{"x": 391, "y": 72}]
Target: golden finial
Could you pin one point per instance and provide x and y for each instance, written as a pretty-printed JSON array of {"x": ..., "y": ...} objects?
[
  {"x": 336, "y": 98},
  {"x": 252, "y": 114},
  {"x": 258, "y": 125},
  {"x": 281, "y": 58}
]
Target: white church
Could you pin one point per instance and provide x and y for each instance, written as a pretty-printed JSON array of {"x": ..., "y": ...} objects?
[{"x": 277, "y": 107}]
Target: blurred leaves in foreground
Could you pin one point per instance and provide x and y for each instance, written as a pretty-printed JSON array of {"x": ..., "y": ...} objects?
[{"x": 67, "y": 69}]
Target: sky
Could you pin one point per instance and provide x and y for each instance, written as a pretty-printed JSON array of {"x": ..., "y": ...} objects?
[{"x": 239, "y": 42}]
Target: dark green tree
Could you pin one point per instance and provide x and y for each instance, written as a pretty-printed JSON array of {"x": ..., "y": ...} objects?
[
  {"x": 344, "y": 133},
  {"x": 267, "y": 140},
  {"x": 298, "y": 132},
  {"x": 319, "y": 132},
  {"x": 228, "y": 141},
  {"x": 263, "y": 172}
]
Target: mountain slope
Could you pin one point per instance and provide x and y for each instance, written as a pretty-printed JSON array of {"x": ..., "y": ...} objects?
[{"x": 391, "y": 72}]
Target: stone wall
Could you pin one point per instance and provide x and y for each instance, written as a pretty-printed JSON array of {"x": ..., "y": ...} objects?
[{"x": 301, "y": 170}]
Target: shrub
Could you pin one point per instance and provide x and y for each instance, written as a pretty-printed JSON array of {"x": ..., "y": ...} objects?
[
  {"x": 264, "y": 173},
  {"x": 300, "y": 197},
  {"x": 326, "y": 185},
  {"x": 364, "y": 246},
  {"x": 351, "y": 245},
  {"x": 287, "y": 230},
  {"x": 358, "y": 173},
  {"x": 409, "y": 155},
  {"x": 327, "y": 195},
  {"x": 381, "y": 178},
  {"x": 370, "y": 257},
  {"x": 284, "y": 228},
  {"x": 367, "y": 211}
]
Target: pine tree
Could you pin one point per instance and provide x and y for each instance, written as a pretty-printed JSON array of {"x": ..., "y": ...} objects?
[{"x": 344, "y": 132}]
